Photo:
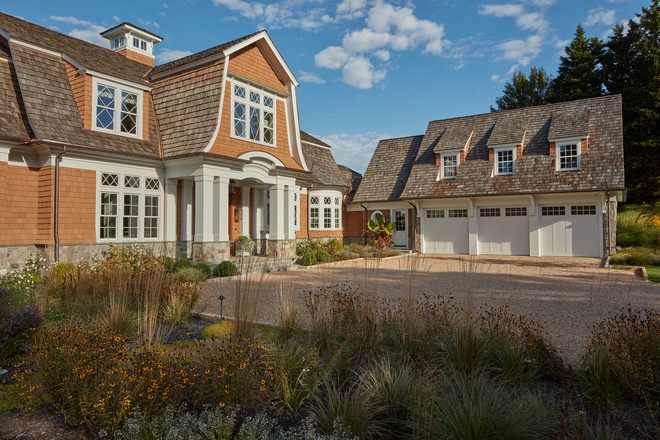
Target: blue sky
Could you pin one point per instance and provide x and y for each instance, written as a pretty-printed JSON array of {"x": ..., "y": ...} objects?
[{"x": 368, "y": 69}]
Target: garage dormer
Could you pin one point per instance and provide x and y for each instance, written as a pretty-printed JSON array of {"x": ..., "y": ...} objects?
[
  {"x": 505, "y": 144},
  {"x": 569, "y": 138},
  {"x": 451, "y": 148},
  {"x": 133, "y": 42}
]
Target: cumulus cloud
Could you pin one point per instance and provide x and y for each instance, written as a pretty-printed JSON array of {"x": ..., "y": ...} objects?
[
  {"x": 167, "y": 55},
  {"x": 602, "y": 16},
  {"x": 353, "y": 150},
  {"x": 507, "y": 10},
  {"x": 71, "y": 20},
  {"x": 115, "y": 18},
  {"x": 309, "y": 77},
  {"x": 388, "y": 28},
  {"x": 285, "y": 14},
  {"x": 495, "y": 77},
  {"x": 84, "y": 29}
]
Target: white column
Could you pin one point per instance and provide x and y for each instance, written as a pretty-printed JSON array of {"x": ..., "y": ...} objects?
[
  {"x": 290, "y": 229},
  {"x": 245, "y": 206},
  {"x": 277, "y": 207},
  {"x": 534, "y": 232},
  {"x": 222, "y": 208},
  {"x": 203, "y": 208},
  {"x": 170, "y": 213},
  {"x": 186, "y": 210},
  {"x": 473, "y": 229}
]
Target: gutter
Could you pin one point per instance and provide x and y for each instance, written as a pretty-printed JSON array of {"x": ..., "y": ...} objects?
[
  {"x": 414, "y": 225},
  {"x": 56, "y": 223},
  {"x": 609, "y": 223}
]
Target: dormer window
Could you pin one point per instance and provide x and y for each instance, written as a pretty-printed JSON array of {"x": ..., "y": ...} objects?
[
  {"x": 568, "y": 156},
  {"x": 450, "y": 163},
  {"x": 117, "y": 109},
  {"x": 504, "y": 160},
  {"x": 119, "y": 42},
  {"x": 253, "y": 115}
]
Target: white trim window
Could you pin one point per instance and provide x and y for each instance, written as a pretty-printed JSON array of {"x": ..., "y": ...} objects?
[
  {"x": 450, "y": 163},
  {"x": 253, "y": 115},
  {"x": 504, "y": 161},
  {"x": 568, "y": 156},
  {"x": 295, "y": 211},
  {"x": 128, "y": 210},
  {"x": 325, "y": 211},
  {"x": 117, "y": 109}
]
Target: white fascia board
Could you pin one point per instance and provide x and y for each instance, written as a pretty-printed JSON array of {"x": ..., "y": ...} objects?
[
  {"x": 223, "y": 92},
  {"x": 73, "y": 62},
  {"x": 115, "y": 80},
  {"x": 34, "y": 47},
  {"x": 315, "y": 145},
  {"x": 568, "y": 139},
  {"x": 512, "y": 145},
  {"x": 296, "y": 127},
  {"x": 254, "y": 84},
  {"x": 266, "y": 38}
]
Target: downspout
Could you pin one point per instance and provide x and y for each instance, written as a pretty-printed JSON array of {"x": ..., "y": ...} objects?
[
  {"x": 56, "y": 223},
  {"x": 609, "y": 223},
  {"x": 364, "y": 222},
  {"x": 414, "y": 225}
]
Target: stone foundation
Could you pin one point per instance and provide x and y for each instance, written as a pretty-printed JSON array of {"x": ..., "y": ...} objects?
[
  {"x": 211, "y": 252},
  {"x": 280, "y": 248},
  {"x": 14, "y": 257}
]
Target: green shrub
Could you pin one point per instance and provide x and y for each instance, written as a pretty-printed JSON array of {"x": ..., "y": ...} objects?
[
  {"x": 168, "y": 263},
  {"x": 323, "y": 256},
  {"x": 205, "y": 268},
  {"x": 636, "y": 256},
  {"x": 309, "y": 258},
  {"x": 227, "y": 269},
  {"x": 191, "y": 274},
  {"x": 638, "y": 226},
  {"x": 333, "y": 245},
  {"x": 601, "y": 382},
  {"x": 182, "y": 263}
]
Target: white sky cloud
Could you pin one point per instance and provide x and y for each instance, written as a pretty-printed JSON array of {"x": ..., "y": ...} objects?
[
  {"x": 353, "y": 150},
  {"x": 85, "y": 30},
  {"x": 521, "y": 52},
  {"x": 507, "y": 10},
  {"x": 388, "y": 28},
  {"x": 167, "y": 55},
  {"x": 71, "y": 20},
  {"x": 285, "y": 14},
  {"x": 309, "y": 77},
  {"x": 495, "y": 77},
  {"x": 115, "y": 18},
  {"x": 602, "y": 16}
]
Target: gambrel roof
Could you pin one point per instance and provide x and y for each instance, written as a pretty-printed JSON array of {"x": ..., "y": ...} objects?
[
  {"x": 321, "y": 163},
  {"x": 413, "y": 160}
]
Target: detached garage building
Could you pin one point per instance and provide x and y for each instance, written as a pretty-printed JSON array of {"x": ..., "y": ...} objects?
[{"x": 540, "y": 181}]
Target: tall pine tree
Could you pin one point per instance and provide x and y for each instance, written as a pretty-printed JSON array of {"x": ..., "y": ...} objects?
[
  {"x": 523, "y": 91},
  {"x": 632, "y": 68},
  {"x": 580, "y": 74}
]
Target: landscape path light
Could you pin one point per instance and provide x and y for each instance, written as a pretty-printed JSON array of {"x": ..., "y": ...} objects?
[{"x": 221, "y": 298}]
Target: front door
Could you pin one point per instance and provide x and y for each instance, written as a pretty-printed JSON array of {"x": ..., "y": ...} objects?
[{"x": 400, "y": 235}]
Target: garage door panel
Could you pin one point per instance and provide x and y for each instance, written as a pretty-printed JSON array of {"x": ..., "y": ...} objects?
[
  {"x": 573, "y": 230},
  {"x": 445, "y": 235},
  {"x": 503, "y": 231}
]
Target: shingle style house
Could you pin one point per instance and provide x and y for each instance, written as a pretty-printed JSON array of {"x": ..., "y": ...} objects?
[
  {"x": 532, "y": 181},
  {"x": 98, "y": 146}
]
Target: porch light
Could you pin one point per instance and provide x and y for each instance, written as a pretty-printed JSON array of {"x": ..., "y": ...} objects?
[{"x": 232, "y": 186}]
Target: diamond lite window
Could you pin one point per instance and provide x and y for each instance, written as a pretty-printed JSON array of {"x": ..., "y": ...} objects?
[
  {"x": 116, "y": 110},
  {"x": 327, "y": 209},
  {"x": 254, "y": 116}
]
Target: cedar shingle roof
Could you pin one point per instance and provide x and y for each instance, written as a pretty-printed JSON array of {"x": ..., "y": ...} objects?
[
  {"x": 91, "y": 56},
  {"x": 352, "y": 176},
  {"x": 200, "y": 55},
  {"x": 601, "y": 167},
  {"x": 454, "y": 136},
  {"x": 14, "y": 124},
  {"x": 187, "y": 108},
  {"x": 321, "y": 162},
  {"x": 52, "y": 109},
  {"x": 508, "y": 130},
  {"x": 389, "y": 168}
]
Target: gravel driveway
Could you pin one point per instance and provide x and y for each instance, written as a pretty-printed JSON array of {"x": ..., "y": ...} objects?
[{"x": 569, "y": 295}]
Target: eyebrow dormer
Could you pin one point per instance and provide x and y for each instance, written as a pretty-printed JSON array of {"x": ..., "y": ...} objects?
[{"x": 133, "y": 42}]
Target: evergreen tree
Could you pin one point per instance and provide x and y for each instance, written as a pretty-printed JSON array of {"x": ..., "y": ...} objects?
[
  {"x": 523, "y": 91},
  {"x": 580, "y": 74},
  {"x": 632, "y": 68}
]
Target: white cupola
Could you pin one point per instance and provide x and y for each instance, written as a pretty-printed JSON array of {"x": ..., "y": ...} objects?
[{"x": 133, "y": 42}]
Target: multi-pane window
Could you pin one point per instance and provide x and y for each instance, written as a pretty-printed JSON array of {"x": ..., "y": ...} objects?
[
  {"x": 457, "y": 213},
  {"x": 489, "y": 212},
  {"x": 518, "y": 211},
  {"x": 117, "y": 110},
  {"x": 583, "y": 210},
  {"x": 254, "y": 115},
  {"x": 128, "y": 210},
  {"x": 449, "y": 165},
  {"x": 553, "y": 210},
  {"x": 131, "y": 216},
  {"x": 568, "y": 156},
  {"x": 435, "y": 213},
  {"x": 151, "y": 216},
  {"x": 329, "y": 208},
  {"x": 505, "y": 160},
  {"x": 295, "y": 209}
]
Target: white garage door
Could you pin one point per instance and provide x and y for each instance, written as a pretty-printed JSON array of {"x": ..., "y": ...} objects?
[
  {"x": 503, "y": 231},
  {"x": 446, "y": 231},
  {"x": 571, "y": 230}
]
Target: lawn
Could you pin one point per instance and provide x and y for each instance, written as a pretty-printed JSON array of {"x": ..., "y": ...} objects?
[{"x": 100, "y": 351}]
